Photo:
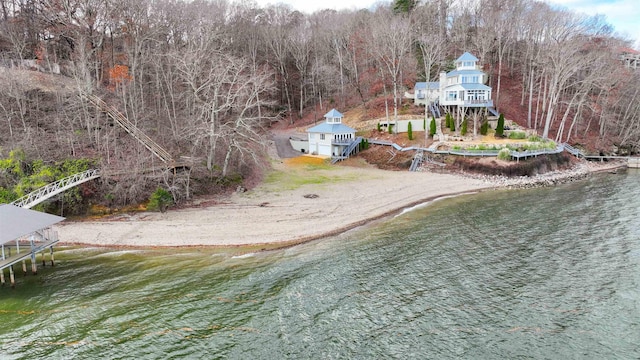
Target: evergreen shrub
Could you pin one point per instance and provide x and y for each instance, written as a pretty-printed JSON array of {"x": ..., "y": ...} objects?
[
  {"x": 160, "y": 200},
  {"x": 484, "y": 128},
  {"x": 432, "y": 127},
  {"x": 500, "y": 126}
]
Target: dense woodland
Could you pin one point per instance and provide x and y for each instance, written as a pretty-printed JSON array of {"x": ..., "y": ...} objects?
[{"x": 207, "y": 79}]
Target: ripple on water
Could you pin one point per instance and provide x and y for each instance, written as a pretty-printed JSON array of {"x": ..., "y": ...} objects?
[{"x": 539, "y": 273}]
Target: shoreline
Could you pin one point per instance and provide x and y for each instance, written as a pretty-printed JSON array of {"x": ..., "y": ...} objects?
[{"x": 266, "y": 219}]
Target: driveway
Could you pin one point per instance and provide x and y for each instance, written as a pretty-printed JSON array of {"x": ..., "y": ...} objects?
[{"x": 283, "y": 146}]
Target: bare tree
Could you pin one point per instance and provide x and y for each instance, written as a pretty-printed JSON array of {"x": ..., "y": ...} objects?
[{"x": 390, "y": 44}]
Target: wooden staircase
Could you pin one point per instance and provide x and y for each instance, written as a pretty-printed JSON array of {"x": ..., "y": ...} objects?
[
  {"x": 347, "y": 151},
  {"x": 133, "y": 130}
]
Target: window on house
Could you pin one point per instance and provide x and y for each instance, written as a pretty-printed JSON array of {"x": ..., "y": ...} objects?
[
  {"x": 321, "y": 136},
  {"x": 470, "y": 79}
]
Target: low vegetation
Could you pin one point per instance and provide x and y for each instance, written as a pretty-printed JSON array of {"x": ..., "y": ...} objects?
[
  {"x": 160, "y": 200},
  {"x": 20, "y": 175},
  {"x": 517, "y": 135}
]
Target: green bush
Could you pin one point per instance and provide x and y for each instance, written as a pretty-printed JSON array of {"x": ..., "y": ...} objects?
[
  {"x": 452, "y": 125},
  {"x": 364, "y": 144},
  {"x": 500, "y": 126},
  {"x": 379, "y": 127},
  {"x": 410, "y": 131},
  {"x": 484, "y": 128},
  {"x": 432, "y": 127},
  {"x": 447, "y": 121},
  {"x": 463, "y": 128},
  {"x": 390, "y": 128},
  {"x": 517, "y": 135},
  {"x": 535, "y": 138},
  {"x": 504, "y": 154},
  {"x": 160, "y": 200}
]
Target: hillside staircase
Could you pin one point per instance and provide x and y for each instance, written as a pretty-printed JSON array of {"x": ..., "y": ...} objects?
[
  {"x": 418, "y": 158},
  {"x": 435, "y": 110},
  {"x": 131, "y": 128},
  {"x": 348, "y": 150},
  {"x": 573, "y": 151}
]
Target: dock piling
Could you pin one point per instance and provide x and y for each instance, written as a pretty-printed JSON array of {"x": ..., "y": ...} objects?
[
  {"x": 12, "y": 277},
  {"x": 34, "y": 264}
]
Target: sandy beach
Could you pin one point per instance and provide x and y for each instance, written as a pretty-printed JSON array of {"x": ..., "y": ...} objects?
[
  {"x": 267, "y": 214},
  {"x": 284, "y": 213}
]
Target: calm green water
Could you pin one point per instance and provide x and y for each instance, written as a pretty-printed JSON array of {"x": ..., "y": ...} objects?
[{"x": 543, "y": 273}]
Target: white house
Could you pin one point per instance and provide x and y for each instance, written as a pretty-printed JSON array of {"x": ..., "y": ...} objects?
[
  {"x": 426, "y": 92},
  {"x": 463, "y": 87},
  {"x": 332, "y": 137}
]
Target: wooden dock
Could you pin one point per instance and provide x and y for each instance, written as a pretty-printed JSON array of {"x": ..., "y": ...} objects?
[
  {"x": 20, "y": 252},
  {"x": 25, "y": 233}
]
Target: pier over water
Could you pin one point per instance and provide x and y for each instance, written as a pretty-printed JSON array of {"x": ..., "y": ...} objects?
[{"x": 23, "y": 234}]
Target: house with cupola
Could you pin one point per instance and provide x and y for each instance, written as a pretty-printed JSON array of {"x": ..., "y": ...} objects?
[
  {"x": 457, "y": 90},
  {"x": 332, "y": 137},
  {"x": 465, "y": 86}
]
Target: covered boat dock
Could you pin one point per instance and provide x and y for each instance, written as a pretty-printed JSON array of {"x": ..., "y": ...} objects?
[{"x": 23, "y": 234}]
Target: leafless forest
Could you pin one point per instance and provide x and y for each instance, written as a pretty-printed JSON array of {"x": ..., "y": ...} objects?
[{"x": 207, "y": 79}]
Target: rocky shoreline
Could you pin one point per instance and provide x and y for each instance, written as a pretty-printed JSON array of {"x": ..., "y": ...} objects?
[{"x": 578, "y": 172}]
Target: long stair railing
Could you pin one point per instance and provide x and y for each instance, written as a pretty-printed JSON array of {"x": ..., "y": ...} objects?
[
  {"x": 48, "y": 191},
  {"x": 131, "y": 128},
  {"x": 418, "y": 158},
  {"x": 573, "y": 151},
  {"x": 434, "y": 110},
  {"x": 347, "y": 150}
]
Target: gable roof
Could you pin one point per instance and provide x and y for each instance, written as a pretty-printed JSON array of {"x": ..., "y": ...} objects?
[
  {"x": 333, "y": 114},
  {"x": 327, "y": 128},
  {"x": 467, "y": 57},
  {"x": 16, "y": 222}
]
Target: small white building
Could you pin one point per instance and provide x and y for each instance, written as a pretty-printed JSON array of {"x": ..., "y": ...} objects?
[{"x": 332, "y": 137}]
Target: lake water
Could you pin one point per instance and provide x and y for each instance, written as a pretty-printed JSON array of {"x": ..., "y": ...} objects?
[{"x": 549, "y": 273}]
